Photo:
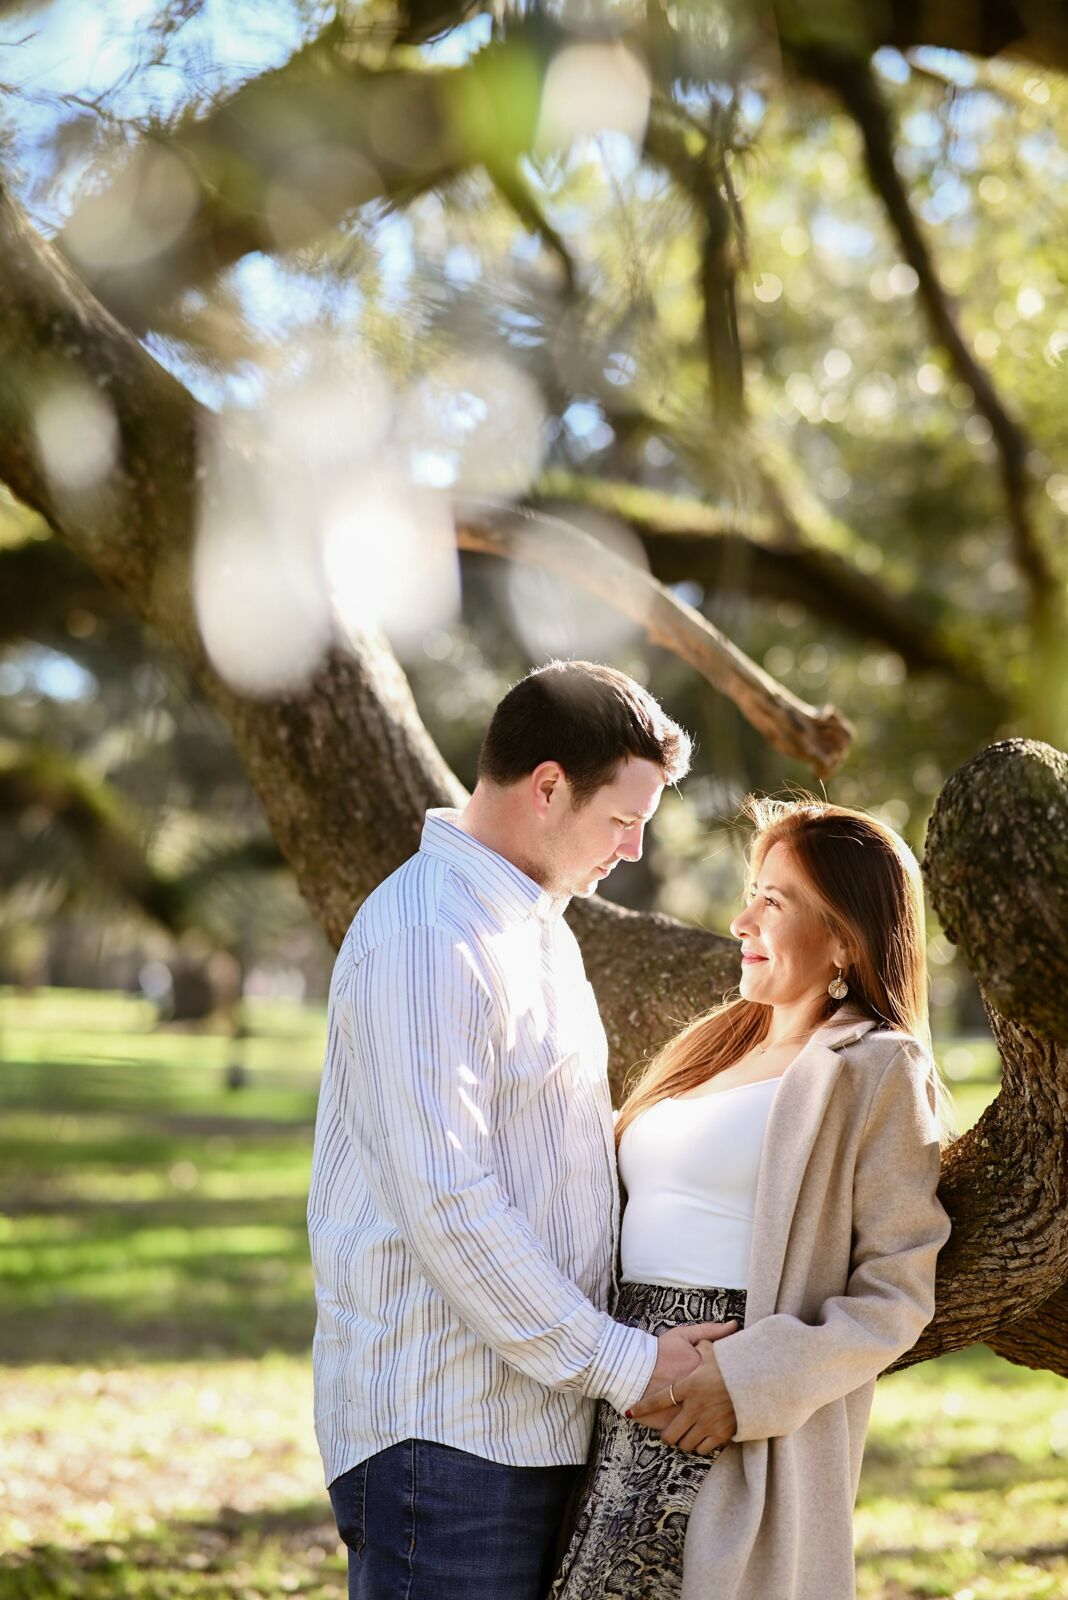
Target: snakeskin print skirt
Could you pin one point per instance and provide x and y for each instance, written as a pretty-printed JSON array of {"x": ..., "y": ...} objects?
[{"x": 636, "y": 1497}]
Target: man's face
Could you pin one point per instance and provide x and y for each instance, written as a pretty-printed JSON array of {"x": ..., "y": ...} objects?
[{"x": 584, "y": 845}]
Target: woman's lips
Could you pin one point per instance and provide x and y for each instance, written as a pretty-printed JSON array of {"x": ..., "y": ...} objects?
[{"x": 752, "y": 959}]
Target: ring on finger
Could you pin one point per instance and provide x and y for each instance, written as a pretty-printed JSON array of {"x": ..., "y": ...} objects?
[{"x": 671, "y": 1394}]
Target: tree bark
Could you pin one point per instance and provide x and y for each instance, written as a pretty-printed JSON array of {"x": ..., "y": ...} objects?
[
  {"x": 997, "y": 848},
  {"x": 651, "y": 975},
  {"x": 1038, "y": 1340}
]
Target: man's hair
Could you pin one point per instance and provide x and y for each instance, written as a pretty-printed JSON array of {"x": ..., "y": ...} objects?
[{"x": 587, "y": 717}]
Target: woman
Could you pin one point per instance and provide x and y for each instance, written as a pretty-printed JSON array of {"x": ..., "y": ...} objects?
[{"x": 781, "y": 1160}]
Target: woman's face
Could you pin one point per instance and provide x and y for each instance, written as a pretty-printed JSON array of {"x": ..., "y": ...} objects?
[{"x": 788, "y": 954}]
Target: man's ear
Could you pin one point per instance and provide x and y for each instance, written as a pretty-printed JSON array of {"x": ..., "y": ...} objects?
[{"x": 547, "y": 785}]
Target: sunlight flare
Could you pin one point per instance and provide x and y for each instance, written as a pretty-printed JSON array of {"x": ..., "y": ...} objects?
[{"x": 77, "y": 435}]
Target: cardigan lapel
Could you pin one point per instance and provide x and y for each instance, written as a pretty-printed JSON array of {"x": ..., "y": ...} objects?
[{"x": 797, "y": 1112}]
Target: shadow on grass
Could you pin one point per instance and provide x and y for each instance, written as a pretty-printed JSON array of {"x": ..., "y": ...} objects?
[
  {"x": 173, "y": 1279},
  {"x": 1031, "y": 1555},
  {"x": 156, "y": 1089},
  {"x": 886, "y": 1467},
  {"x": 83, "y": 1333},
  {"x": 289, "y": 1549},
  {"x": 132, "y": 1234}
]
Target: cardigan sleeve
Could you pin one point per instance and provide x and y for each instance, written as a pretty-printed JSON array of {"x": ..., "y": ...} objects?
[{"x": 781, "y": 1369}]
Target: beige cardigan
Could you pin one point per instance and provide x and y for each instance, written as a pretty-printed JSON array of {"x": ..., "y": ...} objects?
[{"x": 847, "y": 1227}]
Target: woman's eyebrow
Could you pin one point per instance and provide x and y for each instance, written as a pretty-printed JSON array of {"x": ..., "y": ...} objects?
[{"x": 769, "y": 888}]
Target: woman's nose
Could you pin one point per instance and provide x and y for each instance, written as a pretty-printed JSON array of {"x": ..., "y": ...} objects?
[{"x": 740, "y": 923}]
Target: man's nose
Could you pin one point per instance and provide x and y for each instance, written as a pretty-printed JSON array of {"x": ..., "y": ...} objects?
[{"x": 631, "y": 849}]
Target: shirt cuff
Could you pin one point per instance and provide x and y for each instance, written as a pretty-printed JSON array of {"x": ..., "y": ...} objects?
[{"x": 621, "y": 1369}]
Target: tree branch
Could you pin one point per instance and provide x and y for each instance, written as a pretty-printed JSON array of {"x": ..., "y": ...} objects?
[
  {"x": 685, "y": 539},
  {"x": 311, "y": 754},
  {"x": 290, "y": 154},
  {"x": 1038, "y": 1340},
  {"x": 854, "y": 84},
  {"x": 651, "y": 975},
  {"x": 97, "y": 818},
  {"x": 818, "y": 737},
  {"x": 512, "y": 185},
  {"x": 357, "y": 714},
  {"x": 701, "y": 174},
  {"x": 1034, "y": 29}
]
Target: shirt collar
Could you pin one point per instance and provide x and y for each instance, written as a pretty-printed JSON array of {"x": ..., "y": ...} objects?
[{"x": 497, "y": 879}]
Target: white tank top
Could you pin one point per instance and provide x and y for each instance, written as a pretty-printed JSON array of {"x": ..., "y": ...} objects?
[{"x": 689, "y": 1166}]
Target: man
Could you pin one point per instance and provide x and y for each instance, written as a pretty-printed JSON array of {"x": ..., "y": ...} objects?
[{"x": 464, "y": 1207}]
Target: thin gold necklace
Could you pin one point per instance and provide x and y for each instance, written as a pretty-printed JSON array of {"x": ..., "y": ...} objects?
[{"x": 793, "y": 1039}]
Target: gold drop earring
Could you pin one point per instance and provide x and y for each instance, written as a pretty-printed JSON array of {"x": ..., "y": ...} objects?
[{"x": 838, "y": 988}]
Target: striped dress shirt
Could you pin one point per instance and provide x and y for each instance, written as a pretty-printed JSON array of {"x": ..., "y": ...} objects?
[{"x": 464, "y": 1203}]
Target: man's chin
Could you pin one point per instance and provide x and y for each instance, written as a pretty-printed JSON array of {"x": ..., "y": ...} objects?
[{"x": 586, "y": 890}]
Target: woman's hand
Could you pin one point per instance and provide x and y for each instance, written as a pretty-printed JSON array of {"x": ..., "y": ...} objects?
[{"x": 704, "y": 1416}]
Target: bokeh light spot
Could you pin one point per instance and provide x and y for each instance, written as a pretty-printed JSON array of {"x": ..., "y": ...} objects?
[
  {"x": 77, "y": 435},
  {"x": 146, "y": 208},
  {"x": 554, "y": 616},
  {"x": 592, "y": 89},
  {"x": 389, "y": 555}
]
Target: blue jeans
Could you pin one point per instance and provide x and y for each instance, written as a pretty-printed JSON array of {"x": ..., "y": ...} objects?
[{"x": 423, "y": 1521}]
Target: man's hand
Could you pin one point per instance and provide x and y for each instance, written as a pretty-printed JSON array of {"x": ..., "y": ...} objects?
[
  {"x": 676, "y": 1358},
  {"x": 704, "y": 1417}
]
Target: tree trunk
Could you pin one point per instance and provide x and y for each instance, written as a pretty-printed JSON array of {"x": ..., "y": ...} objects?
[{"x": 997, "y": 868}]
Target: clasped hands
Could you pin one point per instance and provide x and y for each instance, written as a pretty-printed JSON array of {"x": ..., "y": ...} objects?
[{"x": 701, "y": 1416}]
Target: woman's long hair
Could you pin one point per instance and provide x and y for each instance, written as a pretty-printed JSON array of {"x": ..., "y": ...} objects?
[{"x": 866, "y": 884}]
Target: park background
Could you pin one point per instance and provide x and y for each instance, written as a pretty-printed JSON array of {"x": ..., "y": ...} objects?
[{"x": 772, "y": 310}]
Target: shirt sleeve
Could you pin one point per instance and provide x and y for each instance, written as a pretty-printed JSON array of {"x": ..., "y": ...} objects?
[
  {"x": 781, "y": 1369},
  {"x": 422, "y": 1063}
]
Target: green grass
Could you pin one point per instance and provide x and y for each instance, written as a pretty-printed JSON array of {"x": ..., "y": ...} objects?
[
  {"x": 156, "y": 1318},
  {"x": 152, "y": 1213}
]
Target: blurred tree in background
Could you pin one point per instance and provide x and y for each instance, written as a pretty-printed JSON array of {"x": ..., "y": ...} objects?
[{"x": 737, "y": 331}]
